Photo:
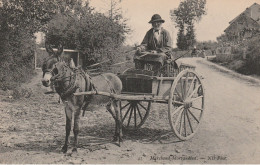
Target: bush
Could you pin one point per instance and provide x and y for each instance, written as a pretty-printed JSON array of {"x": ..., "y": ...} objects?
[
  {"x": 238, "y": 52},
  {"x": 253, "y": 56},
  {"x": 17, "y": 55},
  {"x": 18, "y": 22},
  {"x": 96, "y": 36}
]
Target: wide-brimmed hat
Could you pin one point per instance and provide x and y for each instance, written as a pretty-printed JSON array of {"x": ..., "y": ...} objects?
[{"x": 156, "y": 18}]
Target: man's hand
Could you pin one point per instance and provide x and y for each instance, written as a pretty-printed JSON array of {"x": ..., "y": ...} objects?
[
  {"x": 138, "y": 50},
  {"x": 169, "y": 54},
  {"x": 159, "y": 50}
]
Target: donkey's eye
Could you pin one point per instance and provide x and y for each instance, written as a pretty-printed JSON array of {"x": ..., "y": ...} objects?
[{"x": 55, "y": 71}]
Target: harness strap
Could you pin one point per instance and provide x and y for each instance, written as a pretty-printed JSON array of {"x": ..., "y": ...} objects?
[
  {"x": 112, "y": 90},
  {"x": 89, "y": 87},
  {"x": 63, "y": 92}
]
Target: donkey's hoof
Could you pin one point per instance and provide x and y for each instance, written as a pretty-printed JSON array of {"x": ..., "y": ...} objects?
[
  {"x": 74, "y": 150},
  {"x": 64, "y": 149}
]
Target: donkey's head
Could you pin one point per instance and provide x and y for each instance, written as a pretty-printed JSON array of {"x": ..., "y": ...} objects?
[{"x": 49, "y": 66}]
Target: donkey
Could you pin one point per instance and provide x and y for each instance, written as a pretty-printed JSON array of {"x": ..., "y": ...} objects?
[{"x": 72, "y": 80}]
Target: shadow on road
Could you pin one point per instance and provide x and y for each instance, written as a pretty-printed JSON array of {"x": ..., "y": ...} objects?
[
  {"x": 142, "y": 135},
  {"x": 96, "y": 137}
]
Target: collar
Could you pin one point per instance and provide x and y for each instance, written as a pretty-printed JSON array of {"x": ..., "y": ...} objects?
[{"x": 158, "y": 30}]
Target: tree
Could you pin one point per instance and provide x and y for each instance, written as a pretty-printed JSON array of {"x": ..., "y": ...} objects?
[
  {"x": 188, "y": 12},
  {"x": 115, "y": 13},
  {"x": 190, "y": 35},
  {"x": 95, "y": 35},
  {"x": 222, "y": 39},
  {"x": 19, "y": 20},
  {"x": 181, "y": 38}
]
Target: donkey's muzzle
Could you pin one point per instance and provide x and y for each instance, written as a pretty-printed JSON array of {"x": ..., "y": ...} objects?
[{"x": 46, "y": 83}]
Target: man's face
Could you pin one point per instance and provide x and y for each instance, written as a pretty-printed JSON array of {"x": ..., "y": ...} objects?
[{"x": 157, "y": 25}]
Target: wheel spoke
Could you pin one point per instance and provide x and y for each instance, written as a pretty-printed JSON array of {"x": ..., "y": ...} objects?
[
  {"x": 121, "y": 117},
  {"x": 193, "y": 116},
  {"x": 191, "y": 84},
  {"x": 186, "y": 85},
  {"x": 125, "y": 105},
  {"x": 177, "y": 110},
  {"x": 184, "y": 124},
  {"x": 179, "y": 116},
  {"x": 135, "y": 115},
  {"x": 126, "y": 113},
  {"x": 195, "y": 90},
  {"x": 197, "y": 108},
  {"x": 139, "y": 112},
  {"x": 142, "y": 106},
  {"x": 178, "y": 93},
  {"x": 196, "y": 98},
  {"x": 182, "y": 90},
  {"x": 177, "y": 102},
  {"x": 181, "y": 123},
  {"x": 189, "y": 122},
  {"x": 130, "y": 116}
]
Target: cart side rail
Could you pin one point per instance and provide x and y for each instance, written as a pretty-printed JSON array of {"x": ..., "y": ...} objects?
[{"x": 125, "y": 96}]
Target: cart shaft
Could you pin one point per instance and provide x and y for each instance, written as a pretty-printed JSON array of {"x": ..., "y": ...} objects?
[{"x": 126, "y": 97}]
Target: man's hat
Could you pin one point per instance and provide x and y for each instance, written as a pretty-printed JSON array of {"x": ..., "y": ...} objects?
[{"x": 156, "y": 18}]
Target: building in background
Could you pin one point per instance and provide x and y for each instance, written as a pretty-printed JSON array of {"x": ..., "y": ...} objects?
[{"x": 245, "y": 25}]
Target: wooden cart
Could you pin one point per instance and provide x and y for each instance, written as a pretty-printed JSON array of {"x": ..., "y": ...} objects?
[{"x": 159, "y": 80}]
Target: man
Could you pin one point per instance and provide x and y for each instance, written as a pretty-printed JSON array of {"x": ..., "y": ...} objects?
[
  {"x": 157, "y": 38},
  {"x": 194, "y": 52}
]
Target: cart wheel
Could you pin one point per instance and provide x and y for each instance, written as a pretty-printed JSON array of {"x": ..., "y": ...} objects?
[
  {"x": 186, "y": 104},
  {"x": 134, "y": 113}
]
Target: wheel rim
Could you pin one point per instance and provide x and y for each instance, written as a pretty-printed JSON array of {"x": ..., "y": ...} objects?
[
  {"x": 186, "y": 104},
  {"x": 134, "y": 113}
]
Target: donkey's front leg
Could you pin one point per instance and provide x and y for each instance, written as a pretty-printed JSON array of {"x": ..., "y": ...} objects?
[
  {"x": 68, "y": 112},
  {"x": 76, "y": 129}
]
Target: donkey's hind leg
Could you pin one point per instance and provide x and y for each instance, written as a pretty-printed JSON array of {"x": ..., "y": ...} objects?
[
  {"x": 109, "y": 109},
  {"x": 119, "y": 131},
  {"x": 68, "y": 112}
]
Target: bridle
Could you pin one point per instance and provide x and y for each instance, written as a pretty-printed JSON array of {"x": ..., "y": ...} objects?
[{"x": 58, "y": 78}]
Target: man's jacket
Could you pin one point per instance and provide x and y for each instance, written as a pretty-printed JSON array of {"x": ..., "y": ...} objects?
[{"x": 164, "y": 43}]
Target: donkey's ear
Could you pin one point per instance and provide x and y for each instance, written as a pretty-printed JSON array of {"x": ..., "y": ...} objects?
[
  {"x": 49, "y": 48},
  {"x": 60, "y": 50}
]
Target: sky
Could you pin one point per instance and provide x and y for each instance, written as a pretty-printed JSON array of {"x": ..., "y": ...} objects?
[{"x": 212, "y": 25}]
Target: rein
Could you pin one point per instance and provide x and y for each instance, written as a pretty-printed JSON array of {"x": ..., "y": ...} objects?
[{"x": 60, "y": 77}]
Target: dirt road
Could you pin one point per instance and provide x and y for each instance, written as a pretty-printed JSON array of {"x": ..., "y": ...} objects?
[{"x": 32, "y": 129}]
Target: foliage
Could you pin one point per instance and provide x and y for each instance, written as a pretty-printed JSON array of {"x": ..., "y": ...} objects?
[
  {"x": 71, "y": 21},
  {"x": 253, "y": 56},
  {"x": 19, "y": 20},
  {"x": 188, "y": 12},
  {"x": 181, "y": 39},
  {"x": 16, "y": 50},
  {"x": 207, "y": 45},
  {"x": 94, "y": 35},
  {"x": 190, "y": 36},
  {"x": 245, "y": 56},
  {"x": 223, "y": 38}
]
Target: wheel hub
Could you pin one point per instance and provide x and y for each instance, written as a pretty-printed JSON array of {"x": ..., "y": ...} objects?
[{"x": 187, "y": 104}]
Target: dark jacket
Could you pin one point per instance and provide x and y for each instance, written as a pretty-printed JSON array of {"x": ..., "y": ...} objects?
[{"x": 164, "y": 43}]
